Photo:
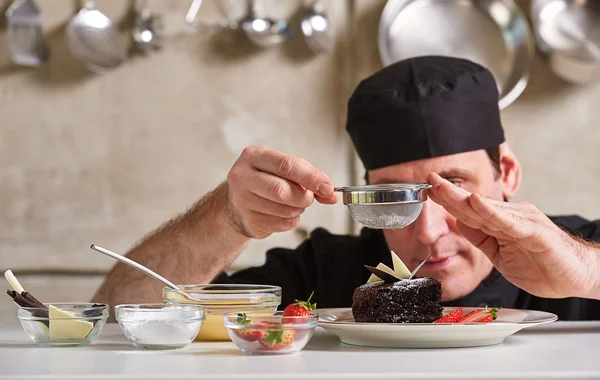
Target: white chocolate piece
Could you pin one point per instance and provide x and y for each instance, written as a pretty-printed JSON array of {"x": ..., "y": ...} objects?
[
  {"x": 400, "y": 269},
  {"x": 67, "y": 328},
  {"x": 14, "y": 283}
]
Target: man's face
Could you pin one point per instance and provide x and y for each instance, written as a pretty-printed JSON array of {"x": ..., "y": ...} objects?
[{"x": 455, "y": 262}]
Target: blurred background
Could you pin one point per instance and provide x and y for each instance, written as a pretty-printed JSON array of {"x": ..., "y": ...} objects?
[{"x": 105, "y": 156}]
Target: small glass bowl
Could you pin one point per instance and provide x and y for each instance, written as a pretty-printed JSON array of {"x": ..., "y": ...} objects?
[
  {"x": 269, "y": 333},
  {"x": 74, "y": 324},
  {"x": 159, "y": 326},
  {"x": 225, "y": 298}
]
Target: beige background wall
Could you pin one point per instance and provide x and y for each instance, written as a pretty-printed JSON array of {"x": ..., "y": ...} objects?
[{"x": 88, "y": 158}]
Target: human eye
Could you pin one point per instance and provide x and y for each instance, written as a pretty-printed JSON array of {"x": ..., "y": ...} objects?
[{"x": 456, "y": 181}]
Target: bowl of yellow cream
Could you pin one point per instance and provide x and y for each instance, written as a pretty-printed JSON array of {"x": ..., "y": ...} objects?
[{"x": 220, "y": 299}]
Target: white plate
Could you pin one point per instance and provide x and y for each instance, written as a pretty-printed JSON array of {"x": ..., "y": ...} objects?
[{"x": 340, "y": 322}]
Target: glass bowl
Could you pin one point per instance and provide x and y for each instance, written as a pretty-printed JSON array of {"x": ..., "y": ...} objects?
[
  {"x": 225, "y": 298},
  {"x": 63, "y": 324},
  {"x": 159, "y": 326},
  {"x": 269, "y": 334}
]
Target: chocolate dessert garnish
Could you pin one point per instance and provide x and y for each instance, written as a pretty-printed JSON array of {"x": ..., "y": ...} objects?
[{"x": 385, "y": 276}]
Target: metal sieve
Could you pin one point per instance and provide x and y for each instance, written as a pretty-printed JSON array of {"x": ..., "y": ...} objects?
[{"x": 385, "y": 206}]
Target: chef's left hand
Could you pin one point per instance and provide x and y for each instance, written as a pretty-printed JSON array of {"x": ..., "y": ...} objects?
[{"x": 522, "y": 243}]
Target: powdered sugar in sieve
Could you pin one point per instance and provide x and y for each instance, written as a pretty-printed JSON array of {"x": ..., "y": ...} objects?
[
  {"x": 384, "y": 216},
  {"x": 385, "y": 206}
]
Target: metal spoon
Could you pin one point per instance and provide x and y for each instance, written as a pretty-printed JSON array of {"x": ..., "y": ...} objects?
[
  {"x": 145, "y": 31},
  {"x": 316, "y": 27},
  {"x": 264, "y": 31},
  {"x": 92, "y": 39},
  {"x": 143, "y": 269}
]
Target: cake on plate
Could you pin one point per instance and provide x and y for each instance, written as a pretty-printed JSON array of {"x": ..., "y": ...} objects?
[
  {"x": 395, "y": 298},
  {"x": 404, "y": 301}
]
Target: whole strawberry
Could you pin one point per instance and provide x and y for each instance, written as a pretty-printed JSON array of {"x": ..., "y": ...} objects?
[
  {"x": 250, "y": 335},
  {"x": 299, "y": 309}
]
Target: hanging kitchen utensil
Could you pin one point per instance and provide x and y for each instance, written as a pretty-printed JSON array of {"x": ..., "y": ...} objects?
[
  {"x": 25, "y": 35},
  {"x": 147, "y": 27},
  {"x": 191, "y": 18},
  {"x": 261, "y": 30},
  {"x": 385, "y": 206},
  {"x": 316, "y": 27},
  {"x": 493, "y": 33},
  {"x": 568, "y": 35},
  {"x": 92, "y": 39}
]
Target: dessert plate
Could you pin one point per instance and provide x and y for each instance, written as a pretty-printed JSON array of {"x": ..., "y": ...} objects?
[{"x": 340, "y": 322}]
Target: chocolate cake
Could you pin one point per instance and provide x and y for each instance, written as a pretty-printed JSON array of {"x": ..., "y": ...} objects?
[{"x": 404, "y": 301}]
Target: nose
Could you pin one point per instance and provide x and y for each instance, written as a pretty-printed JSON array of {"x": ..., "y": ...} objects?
[{"x": 431, "y": 224}]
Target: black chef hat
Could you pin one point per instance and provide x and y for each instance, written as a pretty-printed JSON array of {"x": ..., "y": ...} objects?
[{"x": 424, "y": 107}]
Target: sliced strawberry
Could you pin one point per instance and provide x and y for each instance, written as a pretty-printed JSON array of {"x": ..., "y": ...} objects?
[
  {"x": 277, "y": 339},
  {"x": 451, "y": 317},
  {"x": 251, "y": 335},
  {"x": 480, "y": 315},
  {"x": 299, "y": 309},
  {"x": 486, "y": 318}
]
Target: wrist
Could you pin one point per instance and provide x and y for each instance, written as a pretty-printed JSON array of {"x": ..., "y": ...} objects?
[
  {"x": 228, "y": 218},
  {"x": 595, "y": 272},
  {"x": 590, "y": 261}
]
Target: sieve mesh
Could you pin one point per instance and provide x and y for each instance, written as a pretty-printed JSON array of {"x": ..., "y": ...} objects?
[{"x": 385, "y": 216}]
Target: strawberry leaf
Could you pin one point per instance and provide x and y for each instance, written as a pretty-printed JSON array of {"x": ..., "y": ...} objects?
[
  {"x": 242, "y": 319},
  {"x": 274, "y": 337},
  {"x": 306, "y": 304}
]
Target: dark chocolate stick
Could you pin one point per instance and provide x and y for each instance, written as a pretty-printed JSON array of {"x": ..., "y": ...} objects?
[
  {"x": 33, "y": 300},
  {"x": 26, "y": 302}
]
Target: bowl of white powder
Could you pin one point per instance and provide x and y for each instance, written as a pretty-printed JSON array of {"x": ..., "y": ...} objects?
[{"x": 159, "y": 326}]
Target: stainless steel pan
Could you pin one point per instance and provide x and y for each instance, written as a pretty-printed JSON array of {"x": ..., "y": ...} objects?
[
  {"x": 493, "y": 33},
  {"x": 568, "y": 34}
]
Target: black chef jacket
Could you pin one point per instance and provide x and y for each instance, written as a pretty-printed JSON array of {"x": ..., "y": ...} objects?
[{"x": 333, "y": 266}]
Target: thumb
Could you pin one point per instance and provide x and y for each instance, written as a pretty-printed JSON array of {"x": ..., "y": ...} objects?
[{"x": 486, "y": 243}]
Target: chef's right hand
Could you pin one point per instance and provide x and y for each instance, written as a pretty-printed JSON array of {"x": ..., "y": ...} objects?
[{"x": 268, "y": 190}]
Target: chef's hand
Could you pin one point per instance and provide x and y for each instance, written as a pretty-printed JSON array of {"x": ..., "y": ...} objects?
[
  {"x": 522, "y": 243},
  {"x": 268, "y": 190}
]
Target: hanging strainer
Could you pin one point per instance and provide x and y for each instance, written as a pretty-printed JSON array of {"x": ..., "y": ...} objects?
[{"x": 385, "y": 206}]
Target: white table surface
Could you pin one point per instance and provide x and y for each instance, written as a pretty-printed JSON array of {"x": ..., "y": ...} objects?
[{"x": 559, "y": 350}]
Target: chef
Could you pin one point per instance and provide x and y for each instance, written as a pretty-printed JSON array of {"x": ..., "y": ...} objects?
[{"x": 433, "y": 119}]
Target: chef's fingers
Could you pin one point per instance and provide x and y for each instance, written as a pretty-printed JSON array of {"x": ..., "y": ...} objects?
[
  {"x": 253, "y": 202},
  {"x": 486, "y": 243},
  {"x": 330, "y": 200},
  {"x": 513, "y": 224},
  {"x": 471, "y": 222},
  {"x": 264, "y": 225},
  {"x": 455, "y": 198},
  {"x": 278, "y": 190},
  {"x": 291, "y": 168}
]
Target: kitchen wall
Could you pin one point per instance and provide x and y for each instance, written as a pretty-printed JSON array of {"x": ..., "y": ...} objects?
[{"x": 105, "y": 158}]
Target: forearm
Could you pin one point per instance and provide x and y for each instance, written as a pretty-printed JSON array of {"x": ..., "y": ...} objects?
[{"x": 190, "y": 249}]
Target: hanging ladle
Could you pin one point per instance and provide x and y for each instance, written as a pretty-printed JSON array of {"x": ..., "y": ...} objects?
[
  {"x": 143, "y": 269},
  {"x": 316, "y": 27},
  {"x": 264, "y": 31}
]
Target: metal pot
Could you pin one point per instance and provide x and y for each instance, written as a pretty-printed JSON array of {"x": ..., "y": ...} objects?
[
  {"x": 493, "y": 33},
  {"x": 568, "y": 34}
]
